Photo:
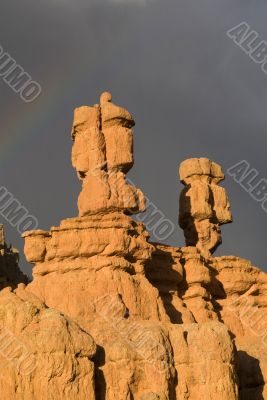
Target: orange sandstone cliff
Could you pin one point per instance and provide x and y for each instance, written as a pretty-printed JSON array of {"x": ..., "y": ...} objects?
[{"x": 110, "y": 315}]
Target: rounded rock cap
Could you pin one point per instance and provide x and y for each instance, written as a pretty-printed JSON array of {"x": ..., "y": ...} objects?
[
  {"x": 200, "y": 166},
  {"x": 105, "y": 97}
]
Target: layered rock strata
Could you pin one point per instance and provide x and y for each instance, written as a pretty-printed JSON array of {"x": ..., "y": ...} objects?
[
  {"x": 102, "y": 154},
  {"x": 204, "y": 205},
  {"x": 131, "y": 319}
]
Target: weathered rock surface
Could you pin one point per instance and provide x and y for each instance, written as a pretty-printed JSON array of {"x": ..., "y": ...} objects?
[
  {"x": 204, "y": 205},
  {"x": 141, "y": 320},
  {"x": 43, "y": 355},
  {"x": 204, "y": 361},
  {"x": 102, "y": 154},
  {"x": 10, "y": 274},
  {"x": 241, "y": 302}
]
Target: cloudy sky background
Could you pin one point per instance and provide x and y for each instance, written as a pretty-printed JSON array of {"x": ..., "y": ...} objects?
[{"x": 192, "y": 92}]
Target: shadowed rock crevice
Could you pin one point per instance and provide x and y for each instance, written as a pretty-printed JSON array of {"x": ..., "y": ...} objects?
[
  {"x": 100, "y": 383},
  {"x": 251, "y": 380},
  {"x": 165, "y": 272},
  {"x": 10, "y": 274}
]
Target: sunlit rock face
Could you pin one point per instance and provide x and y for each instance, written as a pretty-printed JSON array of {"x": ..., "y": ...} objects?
[
  {"x": 102, "y": 154},
  {"x": 43, "y": 354},
  {"x": 204, "y": 205},
  {"x": 110, "y": 315}
]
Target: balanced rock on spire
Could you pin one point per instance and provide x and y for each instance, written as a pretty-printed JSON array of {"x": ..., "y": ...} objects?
[
  {"x": 204, "y": 205},
  {"x": 102, "y": 154}
]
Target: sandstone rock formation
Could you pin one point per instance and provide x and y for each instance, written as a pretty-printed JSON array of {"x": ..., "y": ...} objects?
[
  {"x": 112, "y": 316},
  {"x": 43, "y": 355},
  {"x": 240, "y": 297},
  {"x": 102, "y": 154},
  {"x": 10, "y": 274},
  {"x": 204, "y": 205}
]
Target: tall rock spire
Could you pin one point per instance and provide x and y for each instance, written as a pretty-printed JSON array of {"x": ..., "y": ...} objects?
[
  {"x": 204, "y": 205},
  {"x": 102, "y": 154}
]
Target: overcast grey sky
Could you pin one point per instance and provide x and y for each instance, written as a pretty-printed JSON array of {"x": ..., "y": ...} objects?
[{"x": 192, "y": 91}]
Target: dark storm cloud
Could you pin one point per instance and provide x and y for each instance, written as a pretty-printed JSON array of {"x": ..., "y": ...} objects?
[{"x": 192, "y": 91}]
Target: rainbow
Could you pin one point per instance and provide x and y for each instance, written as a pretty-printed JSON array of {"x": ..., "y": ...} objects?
[{"x": 18, "y": 129}]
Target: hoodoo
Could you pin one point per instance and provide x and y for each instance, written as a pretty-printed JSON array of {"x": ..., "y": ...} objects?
[{"x": 110, "y": 315}]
